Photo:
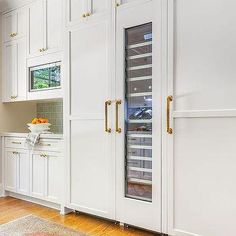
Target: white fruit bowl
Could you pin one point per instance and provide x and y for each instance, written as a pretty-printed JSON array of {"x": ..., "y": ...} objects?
[{"x": 39, "y": 128}]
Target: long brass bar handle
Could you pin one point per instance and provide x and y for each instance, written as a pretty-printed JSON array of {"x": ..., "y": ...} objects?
[
  {"x": 107, "y": 103},
  {"x": 118, "y": 102},
  {"x": 169, "y": 100}
]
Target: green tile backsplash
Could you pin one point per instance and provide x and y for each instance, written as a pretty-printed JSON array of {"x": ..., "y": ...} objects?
[{"x": 54, "y": 112}]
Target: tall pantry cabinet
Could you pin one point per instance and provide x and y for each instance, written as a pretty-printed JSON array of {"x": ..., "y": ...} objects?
[
  {"x": 114, "y": 114},
  {"x": 89, "y": 45}
]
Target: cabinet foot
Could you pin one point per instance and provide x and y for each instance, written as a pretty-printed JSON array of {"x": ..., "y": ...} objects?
[
  {"x": 122, "y": 224},
  {"x": 65, "y": 210}
]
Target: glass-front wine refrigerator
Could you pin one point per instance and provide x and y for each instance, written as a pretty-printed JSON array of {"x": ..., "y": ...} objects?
[{"x": 138, "y": 112}]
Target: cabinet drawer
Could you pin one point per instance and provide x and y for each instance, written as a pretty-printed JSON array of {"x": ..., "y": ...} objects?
[
  {"x": 15, "y": 142},
  {"x": 49, "y": 145}
]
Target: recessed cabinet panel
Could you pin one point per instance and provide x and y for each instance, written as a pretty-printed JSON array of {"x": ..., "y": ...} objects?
[
  {"x": 91, "y": 186},
  {"x": 37, "y": 29},
  {"x": 14, "y": 82},
  {"x": 204, "y": 176},
  {"x": 21, "y": 70},
  {"x": 10, "y": 170},
  {"x": 98, "y": 6},
  {"x": 204, "y": 72},
  {"x": 15, "y": 24},
  {"x": 89, "y": 69},
  {"x": 10, "y": 71},
  {"x": 9, "y": 25},
  {"x": 23, "y": 172},
  {"x": 77, "y": 8},
  {"x": 54, "y": 177},
  {"x": 54, "y": 24},
  {"x": 38, "y": 168}
]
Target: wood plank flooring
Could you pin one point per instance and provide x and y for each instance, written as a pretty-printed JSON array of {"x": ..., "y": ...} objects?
[{"x": 11, "y": 209}]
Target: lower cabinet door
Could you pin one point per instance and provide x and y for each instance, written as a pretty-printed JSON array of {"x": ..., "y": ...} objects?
[
  {"x": 38, "y": 174},
  {"x": 54, "y": 177},
  {"x": 10, "y": 169},
  {"x": 46, "y": 175},
  {"x": 23, "y": 173}
]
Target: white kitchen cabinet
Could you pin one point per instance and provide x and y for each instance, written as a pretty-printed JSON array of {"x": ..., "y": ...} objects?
[
  {"x": 90, "y": 47},
  {"x": 202, "y": 148},
  {"x": 14, "y": 71},
  {"x": 15, "y": 24},
  {"x": 46, "y": 175},
  {"x": 36, "y": 172},
  {"x": 45, "y": 27},
  {"x": 17, "y": 170},
  {"x": 54, "y": 176},
  {"x": 10, "y": 170},
  {"x": 38, "y": 175},
  {"x": 23, "y": 177},
  {"x": 37, "y": 31},
  {"x": 120, "y": 155},
  {"x": 82, "y": 10}
]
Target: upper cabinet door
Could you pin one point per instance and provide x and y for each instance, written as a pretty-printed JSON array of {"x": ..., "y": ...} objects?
[
  {"x": 37, "y": 29},
  {"x": 15, "y": 24},
  {"x": 46, "y": 24},
  {"x": 54, "y": 23},
  {"x": 9, "y": 25},
  {"x": 10, "y": 72},
  {"x": 14, "y": 80},
  {"x": 98, "y": 7},
  {"x": 82, "y": 10},
  {"x": 77, "y": 10}
]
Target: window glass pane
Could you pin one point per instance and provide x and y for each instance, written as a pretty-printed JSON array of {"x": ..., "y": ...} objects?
[
  {"x": 45, "y": 77},
  {"x": 138, "y": 115}
]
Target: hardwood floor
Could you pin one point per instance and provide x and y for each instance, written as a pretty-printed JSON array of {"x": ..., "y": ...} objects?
[{"x": 11, "y": 209}]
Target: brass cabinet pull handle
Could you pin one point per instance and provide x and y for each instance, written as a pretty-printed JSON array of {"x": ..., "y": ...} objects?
[
  {"x": 16, "y": 142},
  {"x": 45, "y": 144},
  {"x": 15, "y": 153},
  {"x": 169, "y": 100},
  {"x": 118, "y": 102},
  {"x": 13, "y": 35},
  {"x": 88, "y": 14},
  {"x": 13, "y": 97},
  {"x": 107, "y": 103},
  {"x": 43, "y": 155}
]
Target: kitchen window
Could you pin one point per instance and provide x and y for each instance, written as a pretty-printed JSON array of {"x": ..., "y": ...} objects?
[{"x": 45, "y": 77}]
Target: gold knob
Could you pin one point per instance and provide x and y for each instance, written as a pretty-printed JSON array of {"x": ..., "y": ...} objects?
[
  {"x": 43, "y": 155},
  {"x": 88, "y": 14},
  {"x": 117, "y": 4},
  {"x": 84, "y": 15}
]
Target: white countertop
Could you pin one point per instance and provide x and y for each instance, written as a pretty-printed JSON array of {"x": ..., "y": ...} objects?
[{"x": 24, "y": 135}]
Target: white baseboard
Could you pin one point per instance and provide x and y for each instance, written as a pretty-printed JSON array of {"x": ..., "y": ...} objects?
[
  {"x": 1, "y": 190},
  {"x": 35, "y": 200}
]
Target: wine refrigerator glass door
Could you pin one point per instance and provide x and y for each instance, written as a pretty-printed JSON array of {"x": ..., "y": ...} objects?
[{"x": 139, "y": 143}]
